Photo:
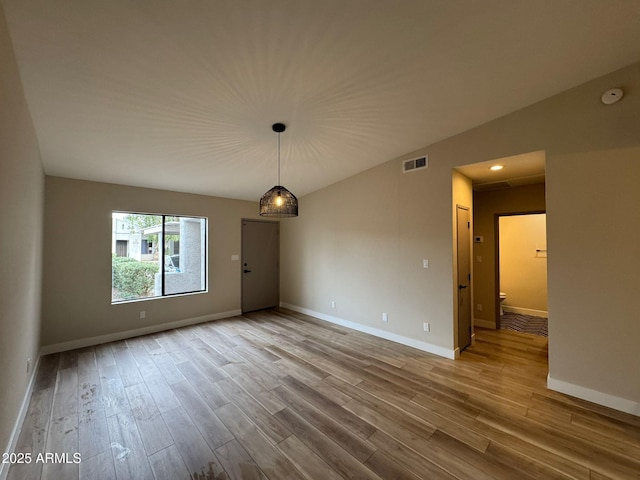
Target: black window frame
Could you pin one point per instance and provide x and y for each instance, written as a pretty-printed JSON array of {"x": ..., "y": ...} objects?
[{"x": 160, "y": 245}]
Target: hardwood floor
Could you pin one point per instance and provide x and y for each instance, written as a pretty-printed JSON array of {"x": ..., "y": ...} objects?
[{"x": 278, "y": 395}]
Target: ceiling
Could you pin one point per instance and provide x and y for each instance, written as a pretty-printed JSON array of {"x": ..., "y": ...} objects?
[
  {"x": 517, "y": 170},
  {"x": 181, "y": 95}
]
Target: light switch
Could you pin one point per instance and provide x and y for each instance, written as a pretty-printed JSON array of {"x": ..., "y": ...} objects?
[
  {"x": 235, "y": 258},
  {"x": 479, "y": 258}
]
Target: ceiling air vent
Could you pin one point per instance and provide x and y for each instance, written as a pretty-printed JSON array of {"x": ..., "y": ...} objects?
[{"x": 415, "y": 164}]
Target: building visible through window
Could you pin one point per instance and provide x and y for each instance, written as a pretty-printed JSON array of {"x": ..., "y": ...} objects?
[{"x": 157, "y": 255}]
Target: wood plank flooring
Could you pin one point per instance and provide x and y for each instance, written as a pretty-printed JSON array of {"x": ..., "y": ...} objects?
[{"x": 279, "y": 395}]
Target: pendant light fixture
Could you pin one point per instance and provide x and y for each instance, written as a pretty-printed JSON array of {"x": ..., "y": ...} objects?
[{"x": 278, "y": 202}]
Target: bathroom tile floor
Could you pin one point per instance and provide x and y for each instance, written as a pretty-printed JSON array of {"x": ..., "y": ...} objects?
[{"x": 518, "y": 322}]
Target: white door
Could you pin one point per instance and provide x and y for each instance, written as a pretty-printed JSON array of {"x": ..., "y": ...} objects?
[{"x": 260, "y": 265}]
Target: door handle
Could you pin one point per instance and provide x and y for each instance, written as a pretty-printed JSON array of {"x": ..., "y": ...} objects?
[
  {"x": 247, "y": 271},
  {"x": 460, "y": 287}
]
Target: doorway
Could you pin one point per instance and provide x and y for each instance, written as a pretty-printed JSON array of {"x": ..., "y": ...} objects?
[
  {"x": 260, "y": 265},
  {"x": 463, "y": 223},
  {"x": 521, "y": 272}
]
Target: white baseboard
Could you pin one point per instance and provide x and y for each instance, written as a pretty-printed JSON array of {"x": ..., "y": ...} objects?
[
  {"x": 394, "y": 337},
  {"x": 525, "y": 311},
  {"x": 594, "y": 396},
  {"x": 112, "y": 337},
  {"x": 478, "y": 322},
  {"x": 22, "y": 413}
]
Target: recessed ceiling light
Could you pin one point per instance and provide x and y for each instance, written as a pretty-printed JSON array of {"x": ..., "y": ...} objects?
[{"x": 495, "y": 168}]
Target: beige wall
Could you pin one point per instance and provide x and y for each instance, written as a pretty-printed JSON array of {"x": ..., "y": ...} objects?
[
  {"x": 462, "y": 194},
  {"x": 523, "y": 263},
  {"x": 488, "y": 204},
  {"x": 21, "y": 206},
  {"x": 361, "y": 242},
  {"x": 77, "y": 259},
  {"x": 594, "y": 275}
]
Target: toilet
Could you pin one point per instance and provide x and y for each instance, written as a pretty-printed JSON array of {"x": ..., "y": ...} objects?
[{"x": 502, "y": 297}]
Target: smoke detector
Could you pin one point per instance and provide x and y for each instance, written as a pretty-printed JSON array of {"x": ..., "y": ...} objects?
[{"x": 612, "y": 96}]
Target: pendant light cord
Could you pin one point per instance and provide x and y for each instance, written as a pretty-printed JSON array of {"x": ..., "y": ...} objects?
[{"x": 278, "y": 158}]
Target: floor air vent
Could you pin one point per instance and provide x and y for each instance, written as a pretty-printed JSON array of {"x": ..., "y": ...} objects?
[{"x": 415, "y": 164}]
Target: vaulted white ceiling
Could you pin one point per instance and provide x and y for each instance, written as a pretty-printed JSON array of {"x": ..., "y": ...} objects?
[{"x": 181, "y": 94}]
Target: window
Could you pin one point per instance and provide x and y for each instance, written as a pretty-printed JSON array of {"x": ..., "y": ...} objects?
[{"x": 157, "y": 255}]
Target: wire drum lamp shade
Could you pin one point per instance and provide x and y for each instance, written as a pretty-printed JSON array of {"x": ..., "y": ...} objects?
[{"x": 278, "y": 202}]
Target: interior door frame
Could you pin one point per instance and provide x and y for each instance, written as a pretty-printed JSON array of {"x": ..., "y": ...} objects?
[
  {"x": 242, "y": 259},
  {"x": 496, "y": 256}
]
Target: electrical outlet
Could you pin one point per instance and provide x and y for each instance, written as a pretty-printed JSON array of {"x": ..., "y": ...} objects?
[
  {"x": 425, "y": 263},
  {"x": 426, "y": 327},
  {"x": 143, "y": 314},
  {"x": 479, "y": 307},
  {"x": 333, "y": 304},
  {"x": 385, "y": 317}
]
